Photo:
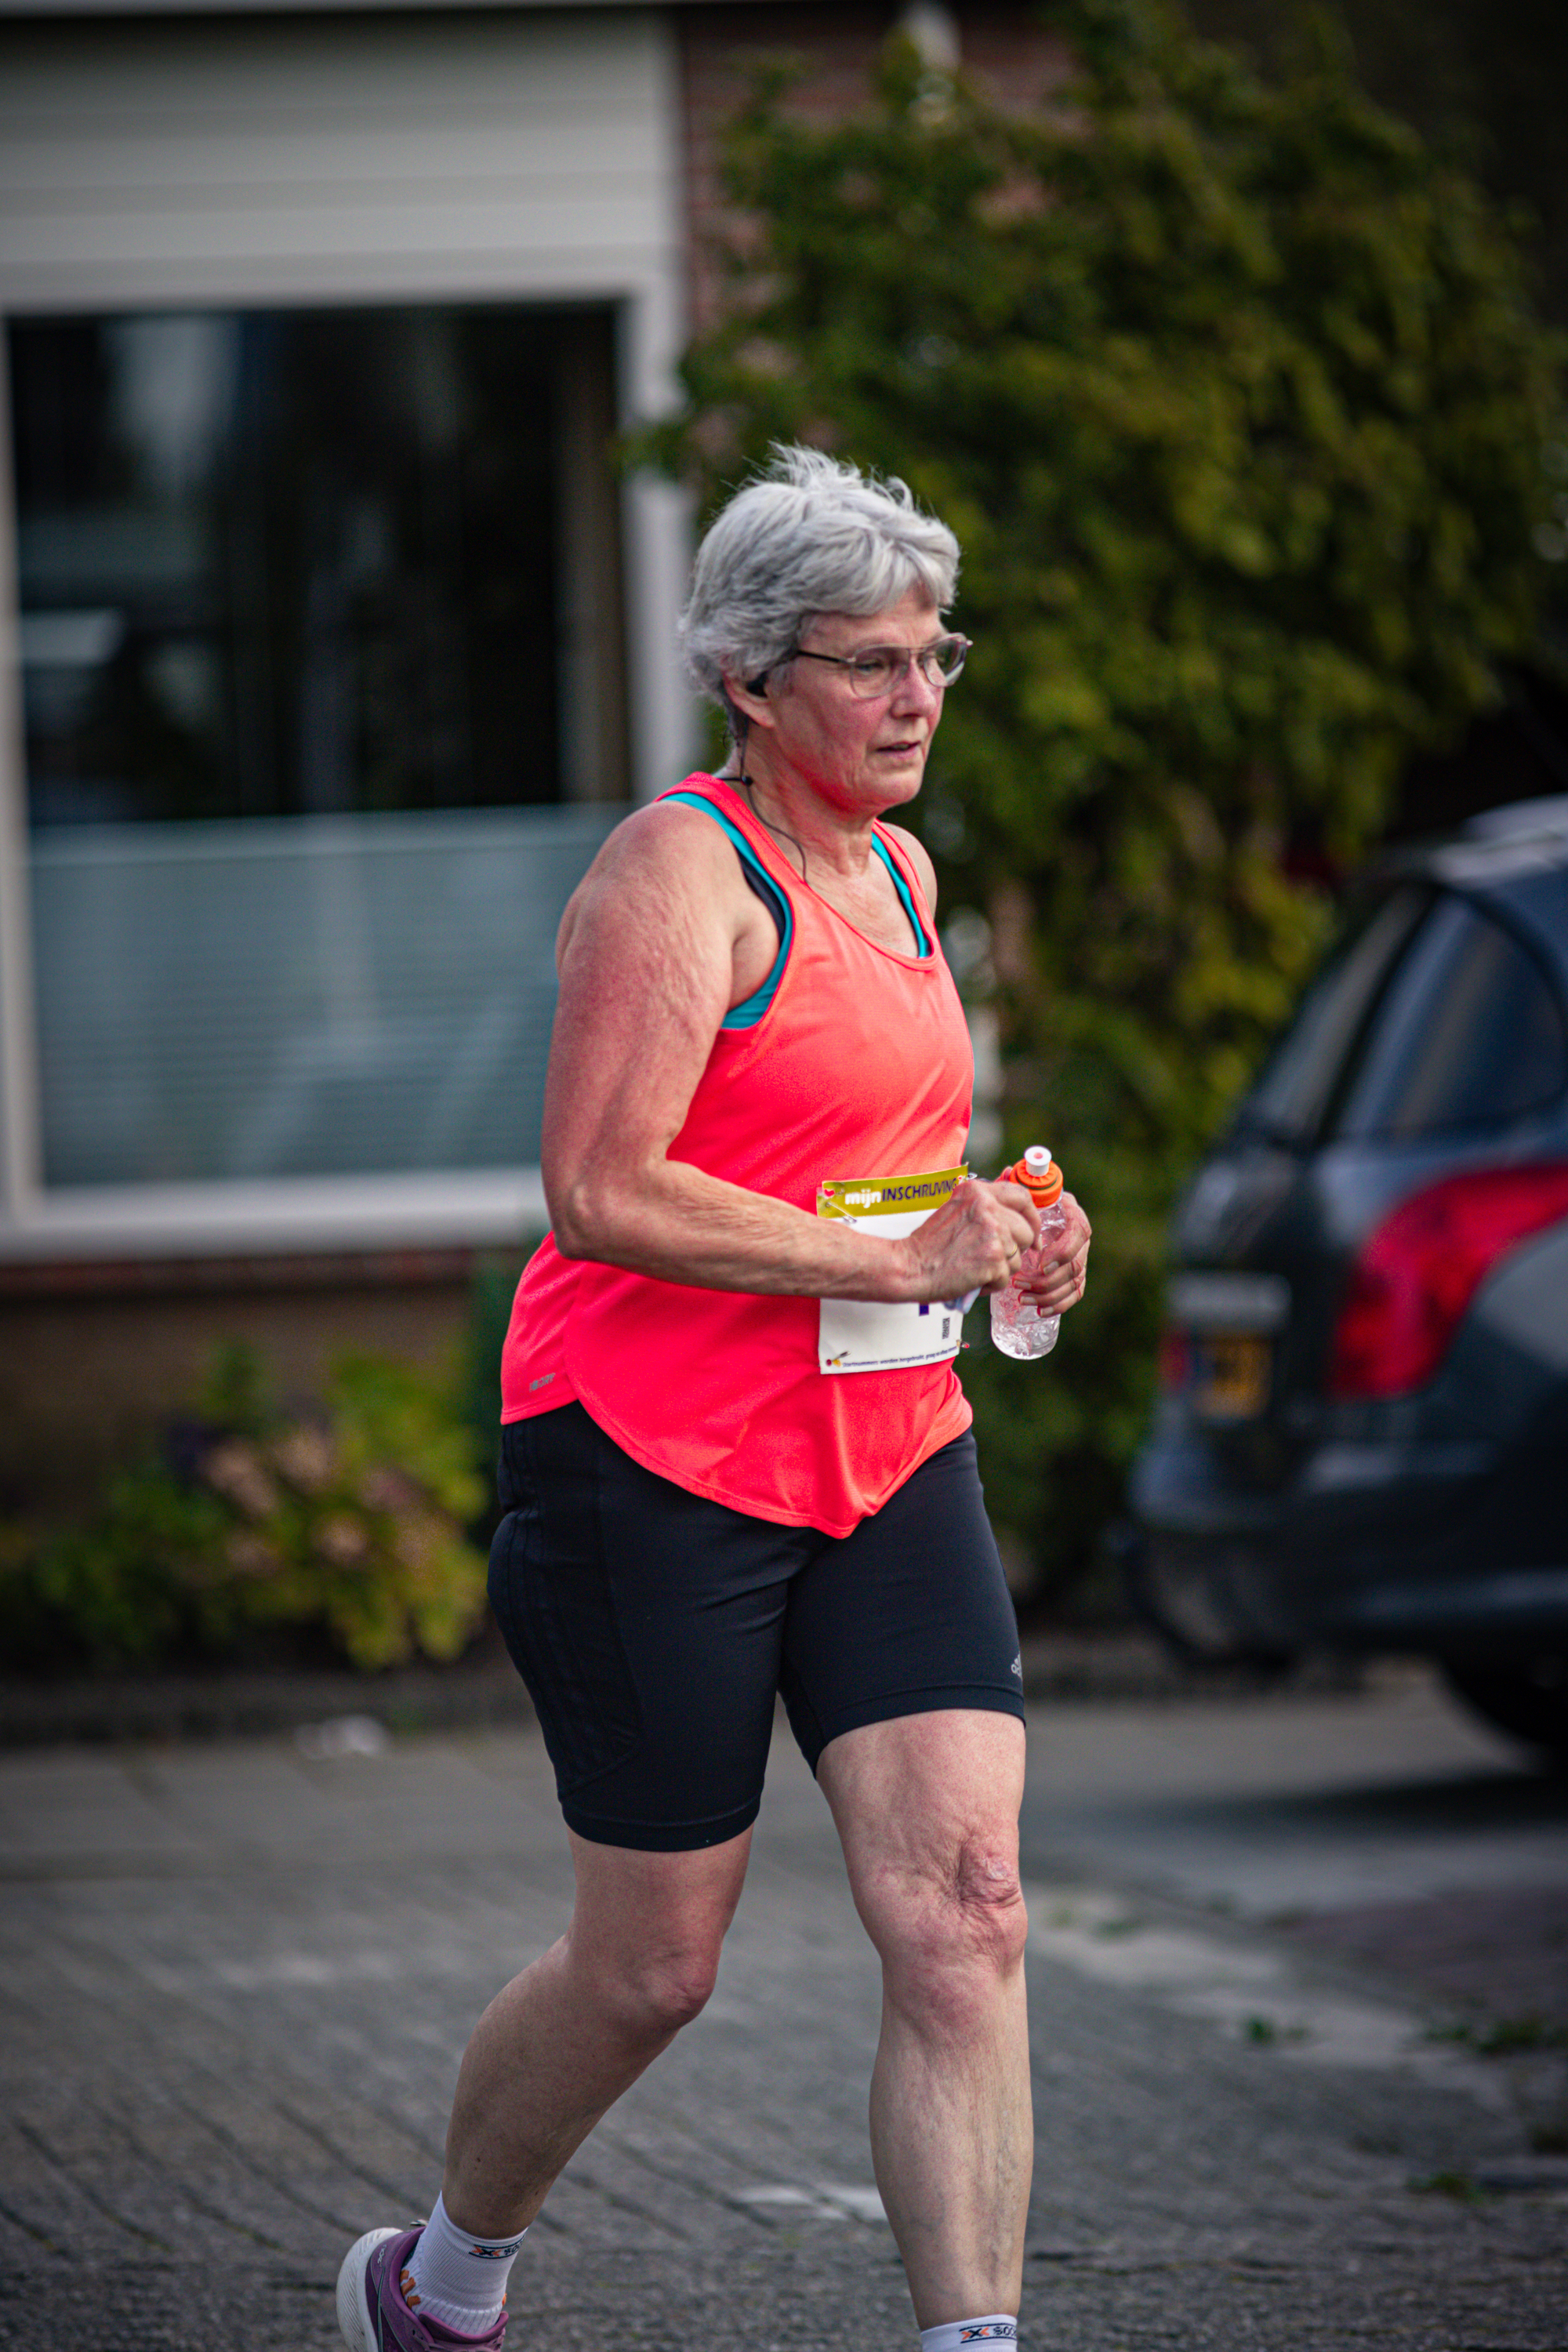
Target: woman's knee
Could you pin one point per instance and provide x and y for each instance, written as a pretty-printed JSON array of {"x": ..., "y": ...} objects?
[
  {"x": 950, "y": 1934},
  {"x": 648, "y": 1929},
  {"x": 669, "y": 1991},
  {"x": 650, "y": 1990}
]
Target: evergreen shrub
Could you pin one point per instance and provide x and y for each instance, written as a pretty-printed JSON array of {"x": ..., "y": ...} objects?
[{"x": 1236, "y": 397}]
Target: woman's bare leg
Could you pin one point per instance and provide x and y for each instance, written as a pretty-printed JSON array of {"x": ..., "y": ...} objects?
[
  {"x": 563, "y": 2040},
  {"x": 927, "y": 1807}
]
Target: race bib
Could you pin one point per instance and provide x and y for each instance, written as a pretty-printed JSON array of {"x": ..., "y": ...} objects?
[{"x": 862, "y": 1335}]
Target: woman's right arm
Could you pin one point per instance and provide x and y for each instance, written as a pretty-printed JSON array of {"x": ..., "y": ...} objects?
[{"x": 647, "y": 958}]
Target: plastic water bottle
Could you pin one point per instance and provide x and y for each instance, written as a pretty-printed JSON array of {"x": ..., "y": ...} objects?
[{"x": 1017, "y": 1325}]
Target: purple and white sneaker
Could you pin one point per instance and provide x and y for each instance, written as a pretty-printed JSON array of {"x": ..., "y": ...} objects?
[{"x": 374, "y": 2313}]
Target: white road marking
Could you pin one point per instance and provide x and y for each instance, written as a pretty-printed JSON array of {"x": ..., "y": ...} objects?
[{"x": 825, "y": 2200}]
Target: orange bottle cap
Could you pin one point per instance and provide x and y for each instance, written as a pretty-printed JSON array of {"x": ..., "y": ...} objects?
[{"x": 1038, "y": 1174}]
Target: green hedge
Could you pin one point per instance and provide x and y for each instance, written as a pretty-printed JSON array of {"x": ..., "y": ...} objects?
[{"x": 1235, "y": 396}]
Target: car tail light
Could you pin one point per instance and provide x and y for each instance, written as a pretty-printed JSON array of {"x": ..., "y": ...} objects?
[
  {"x": 1175, "y": 1359},
  {"x": 1419, "y": 1270}
]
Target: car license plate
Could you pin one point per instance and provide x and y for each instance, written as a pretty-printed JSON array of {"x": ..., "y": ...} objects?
[{"x": 1230, "y": 1374}]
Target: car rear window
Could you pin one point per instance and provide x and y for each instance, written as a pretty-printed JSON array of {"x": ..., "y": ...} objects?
[
  {"x": 1303, "y": 1073},
  {"x": 1470, "y": 1033}
]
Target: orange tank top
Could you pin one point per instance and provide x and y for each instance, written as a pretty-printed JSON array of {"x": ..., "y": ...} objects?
[{"x": 857, "y": 1064}]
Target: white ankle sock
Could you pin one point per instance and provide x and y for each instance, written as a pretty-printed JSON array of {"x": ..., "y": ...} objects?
[
  {"x": 1000, "y": 2329},
  {"x": 456, "y": 2277}
]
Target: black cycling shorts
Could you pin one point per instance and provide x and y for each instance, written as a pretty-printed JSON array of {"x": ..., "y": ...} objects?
[{"x": 653, "y": 1627}]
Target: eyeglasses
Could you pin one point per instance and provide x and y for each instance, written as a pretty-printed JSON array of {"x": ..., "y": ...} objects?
[{"x": 878, "y": 669}]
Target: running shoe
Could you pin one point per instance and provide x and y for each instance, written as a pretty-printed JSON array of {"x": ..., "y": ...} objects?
[{"x": 371, "y": 2311}]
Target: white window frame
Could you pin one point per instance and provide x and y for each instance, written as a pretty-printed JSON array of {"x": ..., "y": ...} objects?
[{"x": 503, "y": 212}]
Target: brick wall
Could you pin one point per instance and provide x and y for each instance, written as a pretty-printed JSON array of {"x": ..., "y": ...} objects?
[
  {"x": 95, "y": 1358},
  {"x": 1003, "y": 47}
]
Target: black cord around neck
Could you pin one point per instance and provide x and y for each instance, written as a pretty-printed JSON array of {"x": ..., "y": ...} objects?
[{"x": 766, "y": 823}]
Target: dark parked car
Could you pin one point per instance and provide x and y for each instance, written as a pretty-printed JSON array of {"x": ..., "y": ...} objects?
[{"x": 1361, "y": 1441}]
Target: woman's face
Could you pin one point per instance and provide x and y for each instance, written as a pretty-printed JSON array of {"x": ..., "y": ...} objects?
[{"x": 861, "y": 756}]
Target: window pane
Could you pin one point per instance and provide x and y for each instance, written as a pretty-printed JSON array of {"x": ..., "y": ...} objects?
[
  {"x": 345, "y": 587},
  {"x": 1471, "y": 1035},
  {"x": 1301, "y": 1077},
  {"x": 278, "y": 562},
  {"x": 300, "y": 997}
]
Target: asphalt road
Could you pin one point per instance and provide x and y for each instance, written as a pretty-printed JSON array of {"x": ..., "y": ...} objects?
[{"x": 237, "y": 1978}]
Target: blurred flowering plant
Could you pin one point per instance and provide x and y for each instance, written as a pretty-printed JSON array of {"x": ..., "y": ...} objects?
[{"x": 347, "y": 1518}]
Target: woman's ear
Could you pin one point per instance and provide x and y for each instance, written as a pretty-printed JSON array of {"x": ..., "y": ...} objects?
[{"x": 751, "y": 699}]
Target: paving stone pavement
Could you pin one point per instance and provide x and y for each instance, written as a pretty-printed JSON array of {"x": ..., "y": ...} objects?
[{"x": 236, "y": 1980}]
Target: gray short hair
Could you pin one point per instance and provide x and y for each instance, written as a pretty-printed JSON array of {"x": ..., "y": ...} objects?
[{"x": 808, "y": 534}]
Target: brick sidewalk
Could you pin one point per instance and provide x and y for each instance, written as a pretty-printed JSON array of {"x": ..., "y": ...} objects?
[
  {"x": 237, "y": 1978},
  {"x": 1506, "y": 1954}
]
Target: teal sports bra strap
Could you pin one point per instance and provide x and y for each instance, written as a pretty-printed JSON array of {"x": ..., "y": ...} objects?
[
  {"x": 902, "y": 888},
  {"x": 747, "y": 1014}
]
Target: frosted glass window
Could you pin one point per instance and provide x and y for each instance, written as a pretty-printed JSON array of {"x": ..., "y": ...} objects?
[{"x": 300, "y": 997}]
